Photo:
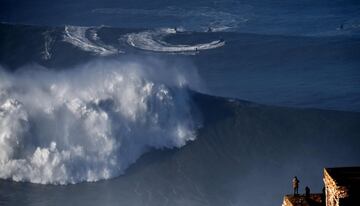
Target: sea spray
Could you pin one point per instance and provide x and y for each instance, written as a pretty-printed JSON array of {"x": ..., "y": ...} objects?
[{"x": 90, "y": 122}]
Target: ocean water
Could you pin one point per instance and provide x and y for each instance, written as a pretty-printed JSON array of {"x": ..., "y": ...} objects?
[{"x": 175, "y": 102}]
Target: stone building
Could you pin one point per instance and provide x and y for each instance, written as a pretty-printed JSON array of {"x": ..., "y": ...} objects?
[{"x": 342, "y": 188}]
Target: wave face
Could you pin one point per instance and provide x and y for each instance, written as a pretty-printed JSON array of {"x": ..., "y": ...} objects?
[
  {"x": 153, "y": 41},
  {"x": 89, "y": 123},
  {"x": 317, "y": 78},
  {"x": 77, "y": 36}
]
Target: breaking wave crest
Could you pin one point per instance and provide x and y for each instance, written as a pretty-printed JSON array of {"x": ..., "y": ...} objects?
[
  {"x": 77, "y": 36},
  {"x": 91, "y": 122},
  {"x": 153, "y": 41}
]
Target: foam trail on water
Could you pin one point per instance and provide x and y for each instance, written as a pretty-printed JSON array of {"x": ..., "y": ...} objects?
[
  {"x": 48, "y": 44},
  {"x": 76, "y": 36},
  {"x": 152, "y": 41},
  {"x": 91, "y": 122}
]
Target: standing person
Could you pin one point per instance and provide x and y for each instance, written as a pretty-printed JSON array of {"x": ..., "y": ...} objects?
[
  {"x": 295, "y": 183},
  {"x": 307, "y": 191}
]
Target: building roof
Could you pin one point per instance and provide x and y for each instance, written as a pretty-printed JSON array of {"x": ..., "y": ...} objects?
[{"x": 345, "y": 176}]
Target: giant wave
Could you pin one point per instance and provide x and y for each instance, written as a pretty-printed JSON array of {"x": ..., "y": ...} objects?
[{"x": 91, "y": 122}]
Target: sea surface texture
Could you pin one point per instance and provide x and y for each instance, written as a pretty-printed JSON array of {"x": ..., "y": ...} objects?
[{"x": 175, "y": 102}]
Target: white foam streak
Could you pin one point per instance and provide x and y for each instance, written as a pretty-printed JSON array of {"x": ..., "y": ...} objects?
[
  {"x": 152, "y": 41},
  {"x": 89, "y": 123},
  {"x": 48, "y": 44},
  {"x": 76, "y": 36}
]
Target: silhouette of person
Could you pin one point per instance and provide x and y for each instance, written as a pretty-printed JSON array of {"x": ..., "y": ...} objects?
[
  {"x": 295, "y": 183},
  {"x": 307, "y": 191},
  {"x": 209, "y": 29},
  {"x": 342, "y": 26}
]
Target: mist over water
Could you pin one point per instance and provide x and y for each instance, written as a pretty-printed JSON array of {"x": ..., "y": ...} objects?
[{"x": 90, "y": 122}]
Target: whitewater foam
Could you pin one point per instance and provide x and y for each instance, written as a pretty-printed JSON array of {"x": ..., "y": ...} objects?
[
  {"x": 48, "y": 44},
  {"x": 76, "y": 36},
  {"x": 153, "y": 41},
  {"x": 91, "y": 122}
]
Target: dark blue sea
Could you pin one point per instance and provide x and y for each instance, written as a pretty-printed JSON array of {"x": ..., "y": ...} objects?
[{"x": 175, "y": 102}]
